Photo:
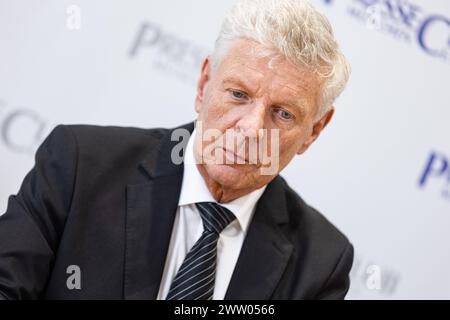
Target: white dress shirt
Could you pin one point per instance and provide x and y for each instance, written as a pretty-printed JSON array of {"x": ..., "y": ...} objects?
[{"x": 188, "y": 227}]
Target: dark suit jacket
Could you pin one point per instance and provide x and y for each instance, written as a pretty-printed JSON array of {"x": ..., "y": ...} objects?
[{"x": 105, "y": 198}]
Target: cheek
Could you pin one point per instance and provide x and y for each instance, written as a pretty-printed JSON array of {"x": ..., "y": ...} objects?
[
  {"x": 289, "y": 145},
  {"x": 211, "y": 105},
  {"x": 217, "y": 112}
]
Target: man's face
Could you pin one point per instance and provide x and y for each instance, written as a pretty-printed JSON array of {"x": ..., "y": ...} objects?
[{"x": 253, "y": 89}]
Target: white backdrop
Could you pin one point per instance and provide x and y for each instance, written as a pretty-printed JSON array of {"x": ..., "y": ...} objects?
[{"x": 380, "y": 171}]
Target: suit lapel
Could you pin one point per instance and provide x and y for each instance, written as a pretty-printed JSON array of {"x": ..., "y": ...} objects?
[
  {"x": 265, "y": 251},
  {"x": 151, "y": 209}
]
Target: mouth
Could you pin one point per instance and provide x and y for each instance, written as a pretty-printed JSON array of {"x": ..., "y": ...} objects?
[{"x": 234, "y": 158}]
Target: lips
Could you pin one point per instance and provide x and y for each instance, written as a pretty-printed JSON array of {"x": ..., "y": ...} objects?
[{"x": 231, "y": 156}]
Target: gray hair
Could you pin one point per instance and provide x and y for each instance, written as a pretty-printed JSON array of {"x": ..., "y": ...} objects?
[{"x": 294, "y": 29}]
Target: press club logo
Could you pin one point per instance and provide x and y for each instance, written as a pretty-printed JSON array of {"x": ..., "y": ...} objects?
[
  {"x": 168, "y": 52},
  {"x": 21, "y": 129},
  {"x": 436, "y": 172},
  {"x": 405, "y": 21}
]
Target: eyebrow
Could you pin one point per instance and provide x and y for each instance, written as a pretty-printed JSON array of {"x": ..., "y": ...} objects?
[{"x": 235, "y": 81}]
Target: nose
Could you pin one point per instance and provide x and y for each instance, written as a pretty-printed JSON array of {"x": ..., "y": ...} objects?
[{"x": 252, "y": 120}]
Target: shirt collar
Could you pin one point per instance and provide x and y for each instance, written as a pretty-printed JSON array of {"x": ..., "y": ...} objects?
[{"x": 194, "y": 189}]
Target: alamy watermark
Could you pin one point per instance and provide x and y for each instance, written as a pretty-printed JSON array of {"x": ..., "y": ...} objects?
[
  {"x": 74, "y": 279},
  {"x": 73, "y": 19},
  {"x": 231, "y": 147}
]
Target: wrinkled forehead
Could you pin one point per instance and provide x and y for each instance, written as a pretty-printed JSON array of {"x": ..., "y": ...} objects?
[{"x": 256, "y": 64}]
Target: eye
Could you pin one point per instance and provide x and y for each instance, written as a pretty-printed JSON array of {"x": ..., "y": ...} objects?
[
  {"x": 284, "y": 114},
  {"x": 238, "y": 94}
]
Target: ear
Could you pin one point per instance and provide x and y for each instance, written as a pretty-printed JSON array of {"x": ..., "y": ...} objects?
[
  {"x": 317, "y": 128},
  {"x": 201, "y": 84}
]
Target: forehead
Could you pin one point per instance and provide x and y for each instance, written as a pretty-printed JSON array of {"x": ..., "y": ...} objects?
[{"x": 249, "y": 61}]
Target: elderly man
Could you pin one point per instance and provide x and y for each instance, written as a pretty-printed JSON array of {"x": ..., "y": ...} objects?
[{"x": 112, "y": 213}]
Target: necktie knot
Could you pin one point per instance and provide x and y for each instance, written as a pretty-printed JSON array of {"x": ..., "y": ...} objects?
[{"x": 215, "y": 217}]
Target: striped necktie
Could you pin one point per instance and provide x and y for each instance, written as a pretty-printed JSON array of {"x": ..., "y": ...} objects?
[{"x": 195, "y": 278}]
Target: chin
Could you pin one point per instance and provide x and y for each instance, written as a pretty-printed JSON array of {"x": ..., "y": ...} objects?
[{"x": 227, "y": 175}]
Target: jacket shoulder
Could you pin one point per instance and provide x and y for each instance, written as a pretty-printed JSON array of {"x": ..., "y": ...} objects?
[
  {"x": 101, "y": 144},
  {"x": 322, "y": 255},
  {"x": 312, "y": 223},
  {"x": 113, "y": 136}
]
